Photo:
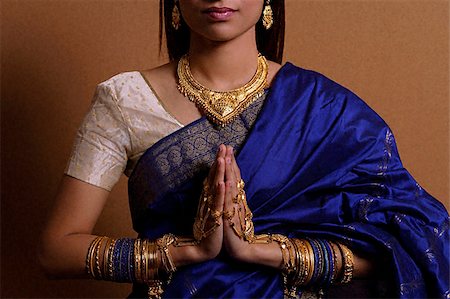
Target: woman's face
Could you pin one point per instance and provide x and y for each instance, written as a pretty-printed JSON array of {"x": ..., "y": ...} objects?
[{"x": 221, "y": 20}]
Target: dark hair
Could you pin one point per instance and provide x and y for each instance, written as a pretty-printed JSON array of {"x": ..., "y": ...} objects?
[{"x": 269, "y": 42}]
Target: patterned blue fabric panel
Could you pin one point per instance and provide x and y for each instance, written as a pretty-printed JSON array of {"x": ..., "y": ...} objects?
[{"x": 183, "y": 157}]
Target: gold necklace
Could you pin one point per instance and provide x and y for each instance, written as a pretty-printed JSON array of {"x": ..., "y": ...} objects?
[{"x": 221, "y": 107}]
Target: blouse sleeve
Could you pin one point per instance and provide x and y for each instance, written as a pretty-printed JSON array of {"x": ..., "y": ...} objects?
[{"x": 99, "y": 154}]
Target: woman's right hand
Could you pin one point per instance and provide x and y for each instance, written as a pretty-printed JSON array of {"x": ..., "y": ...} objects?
[
  {"x": 208, "y": 230},
  {"x": 208, "y": 225}
]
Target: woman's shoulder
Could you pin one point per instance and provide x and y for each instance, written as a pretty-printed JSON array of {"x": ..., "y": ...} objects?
[
  {"x": 324, "y": 93},
  {"x": 308, "y": 77},
  {"x": 132, "y": 84},
  {"x": 315, "y": 82}
]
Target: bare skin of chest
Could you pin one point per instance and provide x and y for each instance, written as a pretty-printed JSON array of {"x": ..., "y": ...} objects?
[{"x": 164, "y": 81}]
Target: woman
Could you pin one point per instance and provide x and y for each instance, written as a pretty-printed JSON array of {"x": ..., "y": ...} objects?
[{"x": 328, "y": 198}]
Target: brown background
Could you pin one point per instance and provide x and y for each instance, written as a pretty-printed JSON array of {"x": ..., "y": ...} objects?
[{"x": 393, "y": 53}]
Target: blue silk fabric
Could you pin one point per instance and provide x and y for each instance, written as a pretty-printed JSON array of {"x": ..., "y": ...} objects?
[{"x": 317, "y": 162}]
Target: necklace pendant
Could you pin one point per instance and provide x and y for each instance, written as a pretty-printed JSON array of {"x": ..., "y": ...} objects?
[{"x": 221, "y": 107}]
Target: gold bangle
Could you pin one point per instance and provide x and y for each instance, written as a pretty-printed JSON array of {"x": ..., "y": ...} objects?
[
  {"x": 347, "y": 257},
  {"x": 145, "y": 253},
  {"x": 311, "y": 262},
  {"x": 150, "y": 261},
  {"x": 137, "y": 260},
  {"x": 111, "y": 259},
  {"x": 298, "y": 263},
  {"x": 106, "y": 251},
  {"x": 90, "y": 261},
  {"x": 294, "y": 278},
  {"x": 306, "y": 262},
  {"x": 285, "y": 245},
  {"x": 98, "y": 275}
]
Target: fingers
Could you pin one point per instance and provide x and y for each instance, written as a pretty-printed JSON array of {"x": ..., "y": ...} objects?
[
  {"x": 223, "y": 177},
  {"x": 220, "y": 172},
  {"x": 219, "y": 179},
  {"x": 231, "y": 171},
  {"x": 237, "y": 171},
  {"x": 212, "y": 172}
]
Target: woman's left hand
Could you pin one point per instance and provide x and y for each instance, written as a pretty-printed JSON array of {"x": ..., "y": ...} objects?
[{"x": 239, "y": 239}]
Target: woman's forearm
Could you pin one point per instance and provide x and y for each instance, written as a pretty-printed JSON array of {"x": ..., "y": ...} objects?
[
  {"x": 65, "y": 257},
  {"x": 270, "y": 255}
]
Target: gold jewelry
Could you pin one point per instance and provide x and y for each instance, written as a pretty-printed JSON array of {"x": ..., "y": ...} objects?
[
  {"x": 311, "y": 262},
  {"x": 229, "y": 214},
  {"x": 106, "y": 252},
  {"x": 155, "y": 289},
  {"x": 247, "y": 230},
  {"x": 335, "y": 262},
  {"x": 207, "y": 219},
  {"x": 267, "y": 18},
  {"x": 241, "y": 184},
  {"x": 97, "y": 257},
  {"x": 347, "y": 260},
  {"x": 221, "y": 107},
  {"x": 176, "y": 17},
  {"x": 91, "y": 257},
  {"x": 167, "y": 261}
]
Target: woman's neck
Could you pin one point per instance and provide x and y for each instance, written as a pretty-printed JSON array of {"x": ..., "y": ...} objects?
[{"x": 223, "y": 65}]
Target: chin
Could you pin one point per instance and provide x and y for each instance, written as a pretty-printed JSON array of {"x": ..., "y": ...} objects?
[{"x": 224, "y": 32}]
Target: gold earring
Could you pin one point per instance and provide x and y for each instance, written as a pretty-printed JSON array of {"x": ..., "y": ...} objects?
[
  {"x": 176, "y": 18},
  {"x": 267, "y": 16}
]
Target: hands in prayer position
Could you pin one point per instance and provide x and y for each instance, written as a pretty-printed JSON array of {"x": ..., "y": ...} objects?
[{"x": 223, "y": 201}]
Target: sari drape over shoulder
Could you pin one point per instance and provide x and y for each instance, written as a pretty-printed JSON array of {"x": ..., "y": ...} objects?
[{"x": 317, "y": 162}]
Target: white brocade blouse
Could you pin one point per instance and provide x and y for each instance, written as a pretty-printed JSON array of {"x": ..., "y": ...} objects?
[{"x": 125, "y": 119}]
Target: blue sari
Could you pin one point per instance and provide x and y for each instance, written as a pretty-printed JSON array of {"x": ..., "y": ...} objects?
[{"x": 317, "y": 162}]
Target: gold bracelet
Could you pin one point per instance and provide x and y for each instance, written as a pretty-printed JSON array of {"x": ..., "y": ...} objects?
[
  {"x": 145, "y": 253},
  {"x": 311, "y": 262},
  {"x": 90, "y": 260},
  {"x": 167, "y": 261},
  {"x": 306, "y": 262},
  {"x": 347, "y": 257},
  {"x": 111, "y": 259},
  {"x": 106, "y": 251},
  {"x": 204, "y": 213},
  {"x": 98, "y": 275},
  {"x": 151, "y": 267},
  {"x": 283, "y": 242},
  {"x": 137, "y": 261},
  {"x": 294, "y": 279}
]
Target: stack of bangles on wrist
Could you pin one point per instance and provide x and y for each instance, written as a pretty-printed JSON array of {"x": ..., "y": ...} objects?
[
  {"x": 132, "y": 260},
  {"x": 310, "y": 264},
  {"x": 313, "y": 264}
]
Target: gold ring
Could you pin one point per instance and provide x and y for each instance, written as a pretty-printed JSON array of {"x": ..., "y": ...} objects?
[
  {"x": 216, "y": 214},
  {"x": 229, "y": 214},
  {"x": 240, "y": 184}
]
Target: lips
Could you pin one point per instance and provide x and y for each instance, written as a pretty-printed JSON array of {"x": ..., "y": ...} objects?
[{"x": 219, "y": 13}]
